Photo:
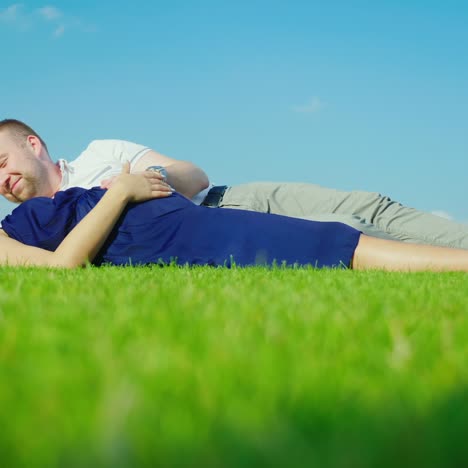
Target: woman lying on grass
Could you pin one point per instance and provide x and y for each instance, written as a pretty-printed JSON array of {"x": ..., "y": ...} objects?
[{"x": 127, "y": 225}]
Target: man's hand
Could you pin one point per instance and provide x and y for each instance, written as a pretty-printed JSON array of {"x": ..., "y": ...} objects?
[{"x": 106, "y": 183}]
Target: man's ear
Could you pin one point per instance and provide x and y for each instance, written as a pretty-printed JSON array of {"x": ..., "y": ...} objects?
[{"x": 35, "y": 144}]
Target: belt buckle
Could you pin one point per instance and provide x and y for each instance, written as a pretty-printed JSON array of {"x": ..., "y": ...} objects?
[{"x": 214, "y": 196}]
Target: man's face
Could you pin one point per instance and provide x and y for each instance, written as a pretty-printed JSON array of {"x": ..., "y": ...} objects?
[{"x": 23, "y": 175}]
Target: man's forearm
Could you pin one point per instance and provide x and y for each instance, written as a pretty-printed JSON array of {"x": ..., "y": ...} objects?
[{"x": 185, "y": 177}]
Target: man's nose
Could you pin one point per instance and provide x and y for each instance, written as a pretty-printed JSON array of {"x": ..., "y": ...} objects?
[{"x": 4, "y": 183}]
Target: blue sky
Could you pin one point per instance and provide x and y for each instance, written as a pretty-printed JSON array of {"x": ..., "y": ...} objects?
[{"x": 347, "y": 94}]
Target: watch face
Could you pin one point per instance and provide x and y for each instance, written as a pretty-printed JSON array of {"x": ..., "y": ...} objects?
[{"x": 160, "y": 169}]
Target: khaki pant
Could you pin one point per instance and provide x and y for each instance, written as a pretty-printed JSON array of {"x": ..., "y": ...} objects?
[{"x": 369, "y": 212}]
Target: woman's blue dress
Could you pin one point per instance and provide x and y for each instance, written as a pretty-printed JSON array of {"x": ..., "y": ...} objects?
[{"x": 173, "y": 229}]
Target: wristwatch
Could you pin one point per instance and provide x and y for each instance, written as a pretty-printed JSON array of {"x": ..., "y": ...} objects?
[{"x": 160, "y": 169}]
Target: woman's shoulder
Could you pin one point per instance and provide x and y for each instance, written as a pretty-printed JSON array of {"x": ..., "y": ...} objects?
[{"x": 43, "y": 214}]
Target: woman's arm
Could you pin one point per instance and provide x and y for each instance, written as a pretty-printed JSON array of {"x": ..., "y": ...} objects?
[{"x": 84, "y": 241}]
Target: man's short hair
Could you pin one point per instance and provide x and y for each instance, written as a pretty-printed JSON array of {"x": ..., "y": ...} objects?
[{"x": 19, "y": 131}]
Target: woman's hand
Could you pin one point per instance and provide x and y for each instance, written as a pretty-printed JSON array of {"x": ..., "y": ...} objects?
[{"x": 140, "y": 187}]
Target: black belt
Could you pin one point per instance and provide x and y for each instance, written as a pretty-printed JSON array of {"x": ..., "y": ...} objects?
[{"x": 215, "y": 196}]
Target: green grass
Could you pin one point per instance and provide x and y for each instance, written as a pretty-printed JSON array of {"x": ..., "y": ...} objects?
[{"x": 243, "y": 367}]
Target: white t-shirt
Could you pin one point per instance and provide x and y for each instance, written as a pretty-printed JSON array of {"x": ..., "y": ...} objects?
[
  {"x": 103, "y": 159},
  {"x": 100, "y": 160}
]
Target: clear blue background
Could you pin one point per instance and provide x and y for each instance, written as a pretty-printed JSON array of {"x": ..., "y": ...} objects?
[{"x": 348, "y": 94}]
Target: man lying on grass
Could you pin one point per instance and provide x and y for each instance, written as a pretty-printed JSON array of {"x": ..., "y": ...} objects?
[
  {"x": 139, "y": 220},
  {"x": 27, "y": 171}
]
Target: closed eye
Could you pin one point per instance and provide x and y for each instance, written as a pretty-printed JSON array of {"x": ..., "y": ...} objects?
[{"x": 3, "y": 159}]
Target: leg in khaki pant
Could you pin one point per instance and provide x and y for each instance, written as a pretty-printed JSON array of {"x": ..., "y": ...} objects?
[{"x": 370, "y": 212}]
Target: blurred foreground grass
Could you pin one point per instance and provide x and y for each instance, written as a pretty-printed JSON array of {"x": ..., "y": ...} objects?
[{"x": 244, "y": 367}]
